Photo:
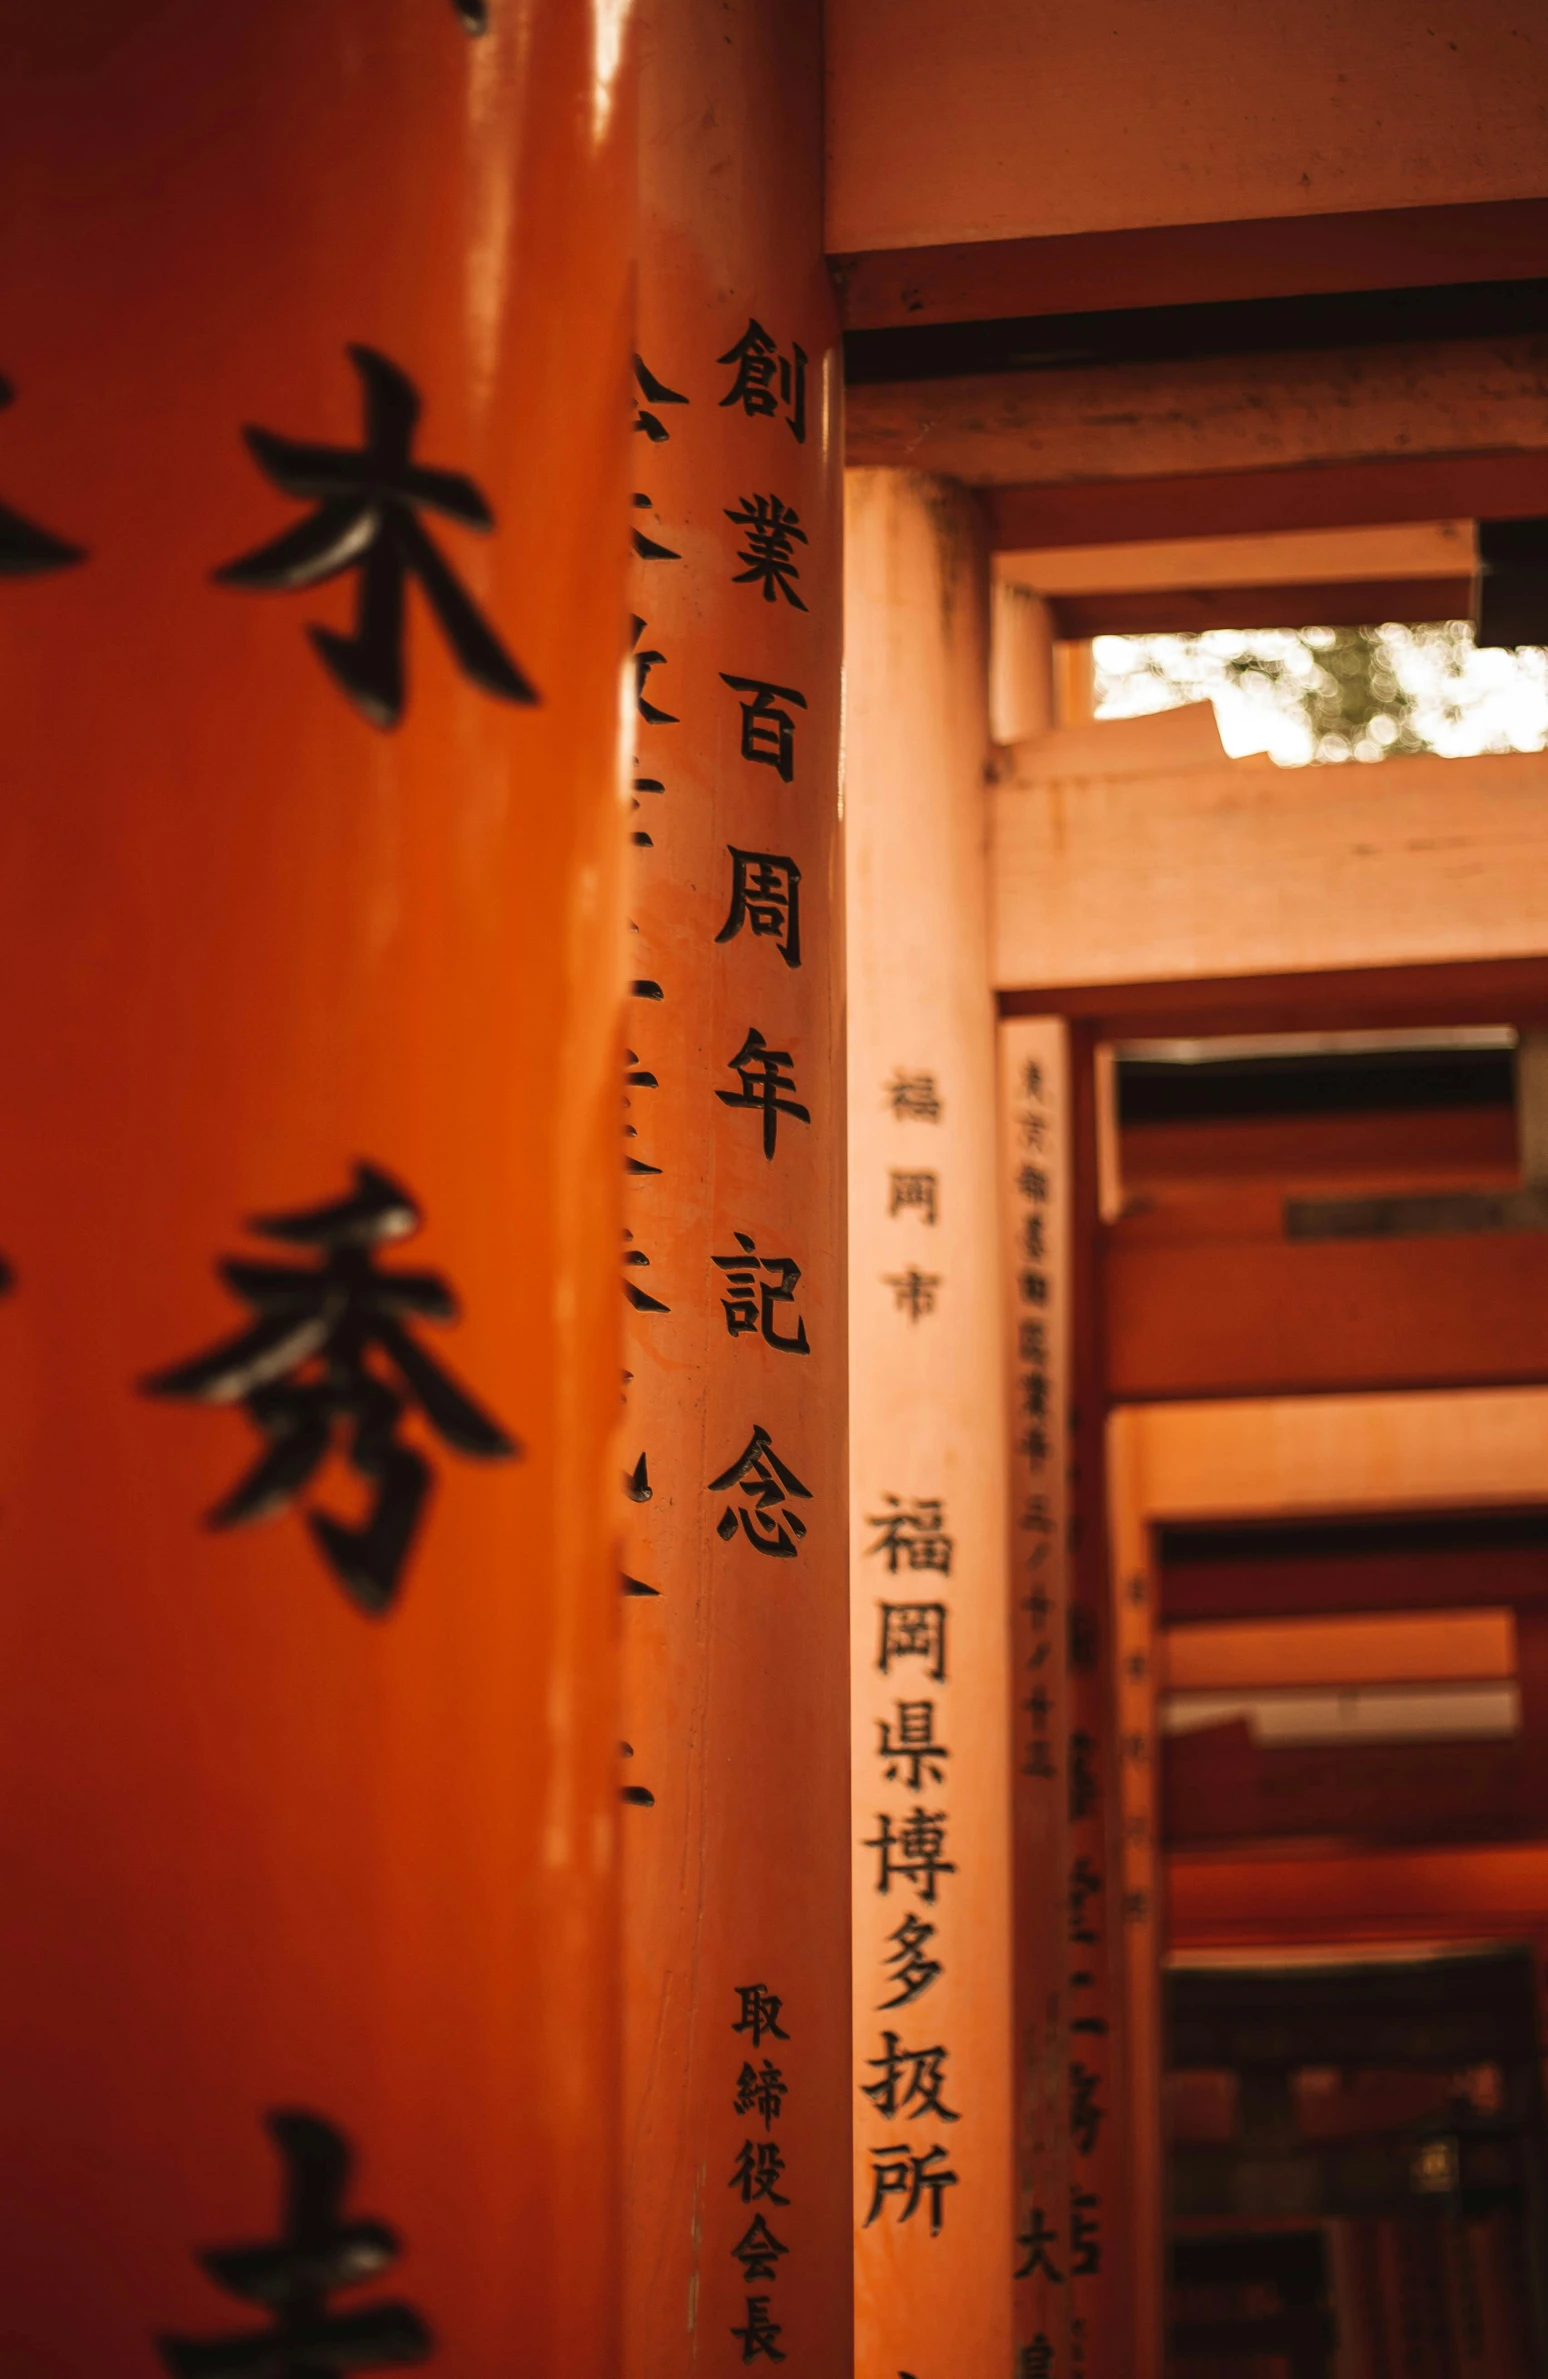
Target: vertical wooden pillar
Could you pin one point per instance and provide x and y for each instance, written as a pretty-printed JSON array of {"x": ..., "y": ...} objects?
[
  {"x": 1134, "y": 1625},
  {"x": 1055, "y": 2241},
  {"x": 927, "y": 1468},
  {"x": 311, "y": 1821},
  {"x": 737, "y": 2043},
  {"x": 1101, "y": 2277}
]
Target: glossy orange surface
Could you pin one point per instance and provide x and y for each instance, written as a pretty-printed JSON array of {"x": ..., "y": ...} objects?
[
  {"x": 258, "y": 1849},
  {"x": 737, "y": 1870}
]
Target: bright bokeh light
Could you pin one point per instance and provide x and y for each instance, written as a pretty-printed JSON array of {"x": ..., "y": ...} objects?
[{"x": 1443, "y": 694}]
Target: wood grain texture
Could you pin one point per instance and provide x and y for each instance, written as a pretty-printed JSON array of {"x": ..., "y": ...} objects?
[
  {"x": 1242, "y": 868},
  {"x": 1209, "y": 413}
]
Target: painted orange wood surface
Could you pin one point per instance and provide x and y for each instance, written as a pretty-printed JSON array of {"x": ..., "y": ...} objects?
[
  {"x": 958, "y": 120},
  {"x": 1035, "y": 1202},
  {"x": 927, "y": 1442},
  {"x": 1210, "y": 414},
  {"x": 986, "y": 280},
  {"x": 1103, "y": 2285},
  {"x": 261, "y": 1850},
  {"x": 1450, "y": 1893},
  {"x": 736, "y": 1709},
  {"x": 1133, "y": 1610},
  {"x": 1241, "y": 1310}
]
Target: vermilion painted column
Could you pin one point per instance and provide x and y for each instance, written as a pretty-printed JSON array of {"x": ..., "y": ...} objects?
[
  {"x": 930, "y": 1641},
  {"x": 1102, "y": 2275},
  {"x": 737, "y": 2044},
  {"x": 315, "y": 317},
  {"x": 1135, "y": 1625},
  {"x": 1058, "y": 2229}
]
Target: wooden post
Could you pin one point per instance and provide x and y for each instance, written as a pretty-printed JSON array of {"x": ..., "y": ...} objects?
[
  {"x": 927, "y": 1465},
  {"x": 1101, "y": 2282},
  {"x": 737, "y": 2005},
  {"x": 310, "y": 1823},
  {"x": 1055, "y": 2242},
  {"x": 1134, "y": 1629}
]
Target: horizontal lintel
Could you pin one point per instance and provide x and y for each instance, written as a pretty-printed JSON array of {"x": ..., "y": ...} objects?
[
  {"x": 1339, "y": 603},
  {"x": 1195, "y": 263},
  {"x": 1507, "y": 484}
]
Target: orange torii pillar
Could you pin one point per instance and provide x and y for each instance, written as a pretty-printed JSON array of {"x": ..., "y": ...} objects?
[
  {"x": 1053, "y": 2236},
  {"x": 314, "y": 467},
  {"x": 933, "y": 2103},
  {"x": 737, "y": 2229},
  {"x": 1075, "y": 2258}
]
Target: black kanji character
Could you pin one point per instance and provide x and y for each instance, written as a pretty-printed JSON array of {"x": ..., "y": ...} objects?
[
  {"x": 1086, "y": 2112},
  {"x": 914, "y": 1851},
  {"x": 758, "y": 1068},
  {"x": 25, "y": 549},
  {"x": 304, "y": 1376},
  {"x": 759, "y": 2165},
  {"x": 913, "y": 1747},
  {"x": 760, "y": 2091},
  {"x": 649, "y": 549},
  {"x": 768, "y": 733},
  {"x": 644, "y": 663},
  {"x": 1085, "y": 2233},
  {"x": 913, "y": 1291},
  {"x": 913, "y": 1971},
  {"x": 758, "y": 2251},
  {"x": 368, "y": 502},
  {"x": 637, "y": 1484},
  {"x": 768, "y": 1483},
  {"x": 765, "y": 897},
  {"x": 291, "y": 2279},
  {"x": 1084, "y": 1790},
  {"x": 760, "y": 2011},
  {"x": 655, "y": 392},
  {"x": 919, "y": 1191},
  {"x": 913, "y": 1534},
  {"x": 641, "y": 1299},
  {"x": 474, "y": 14},
  {"x": 911, "y": 2080},
  {"x": 913, "y": 1631},
  {"x": 760, "y": 2332},
  {"x": 914, "y": 1097},
  {"x": 899, "y": 2172},
  {"x": 1037, "y": 2360},
  {"x": 749, "y": 1304},
  {"x": 773, "y": 532},
  {"x": 759, "y": 365},
  {"x": 636, "y": 1077},
  {"x": 1037, "y": 2241}
]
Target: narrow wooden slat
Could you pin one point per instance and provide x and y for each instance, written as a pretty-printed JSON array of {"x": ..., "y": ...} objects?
[
  {"x": 1194, "y": 263},
  {"x": 1188, "y": 611},
  {"x": 1510, "y": 484},
  {"x": 1397, "y": 1648}
]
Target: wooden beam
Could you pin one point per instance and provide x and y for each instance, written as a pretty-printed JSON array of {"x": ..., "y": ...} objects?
[
  {"x": 1339, "y": 603},
  {"x": 1306, "y": 557},
  {"x": 1479, "y": 1893},
  {"x": 1510, "y": 483},
  {"x": 1240, "y": 1312},
  {"x": 1437, "y": 1561},
  {"x": 975, "y": 120},
  {"x": 1219, "y": 1790},
  {"x": 1194, "y": 263},
  {"x": 1242, "y": 867},
  {"x": 1356, "y": 998},
  {"x": 1278, "y": 1456},
  {"x": 1223, "y": 1315},
  {"x": 1210, "y": 413},
  {"x": 1400, "y": 1647}
]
